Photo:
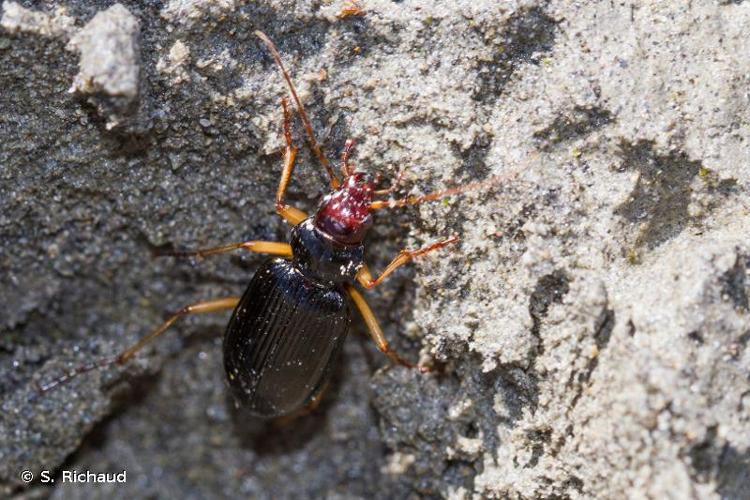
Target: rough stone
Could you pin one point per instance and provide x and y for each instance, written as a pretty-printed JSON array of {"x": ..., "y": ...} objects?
[
  {"x": 109, "y": 68},
  {"x": 16, "y": 19},
  {"x": 589, "y": 333}
]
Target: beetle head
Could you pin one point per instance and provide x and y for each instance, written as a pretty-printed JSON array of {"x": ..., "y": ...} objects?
[{"x": 344, "y": 214}]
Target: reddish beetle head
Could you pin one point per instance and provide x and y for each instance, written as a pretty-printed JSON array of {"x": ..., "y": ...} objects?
[{"x": 344, "y": 214}]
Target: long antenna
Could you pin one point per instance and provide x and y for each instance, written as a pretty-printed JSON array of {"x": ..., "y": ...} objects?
[
  {"x": 416, "y": 200},
  {"x": 335, "y": 183},
  {"x": 463, "y": 188}
]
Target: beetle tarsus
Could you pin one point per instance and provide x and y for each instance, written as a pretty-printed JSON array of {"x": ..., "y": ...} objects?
[{"x": 71, "y": 374}]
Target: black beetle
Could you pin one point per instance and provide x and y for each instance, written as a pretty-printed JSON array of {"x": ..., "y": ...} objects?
[{"x": 289, "y": 326}]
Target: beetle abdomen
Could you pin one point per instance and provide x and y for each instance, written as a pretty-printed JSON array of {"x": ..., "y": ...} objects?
[{"x": 283, "y": 338}]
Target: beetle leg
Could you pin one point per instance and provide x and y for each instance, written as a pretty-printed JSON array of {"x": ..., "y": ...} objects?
[
  {"x": 292, "y": 215},
  {"x": 270, "y": 247},
  {"x": 197, "y": 308},
  {"x": 376, "y": 333},
  {"x": 365, "y": 278},
  {"x": 127, "y": 354}
]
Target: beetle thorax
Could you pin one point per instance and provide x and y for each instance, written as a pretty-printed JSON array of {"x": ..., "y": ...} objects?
[
  {"x": 344, "y": 214},
  {"x": 322, "y": 259}
]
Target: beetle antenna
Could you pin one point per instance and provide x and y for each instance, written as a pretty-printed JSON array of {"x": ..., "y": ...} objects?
[
  {"x": 345, "y": 167},
  {"x": 300, "y": 108},
  {"x": 436, "y": 195},
  {"x": 79, "y": 370}
]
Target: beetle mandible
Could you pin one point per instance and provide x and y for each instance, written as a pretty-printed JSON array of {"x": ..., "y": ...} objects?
[{"x": 287, "y": 329}]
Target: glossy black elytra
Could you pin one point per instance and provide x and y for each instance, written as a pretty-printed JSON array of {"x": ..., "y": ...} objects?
[{"x": 289, "y": 326}]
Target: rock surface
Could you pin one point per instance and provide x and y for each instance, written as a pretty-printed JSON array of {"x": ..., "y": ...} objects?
[
  {"x": 109, "y": 68},
  {"x": 591, "y": 329}
]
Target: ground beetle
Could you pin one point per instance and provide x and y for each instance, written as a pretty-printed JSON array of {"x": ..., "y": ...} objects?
[{"x": 288, "y": 328}]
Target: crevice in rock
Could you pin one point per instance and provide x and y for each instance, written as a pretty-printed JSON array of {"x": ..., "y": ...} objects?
[
  {"x": 578, "y": 122},
  {"x": 659, "y": 202},
  {"x": 734, "y": 285},
  {"x": 602, "y": 335},
  {"x": 538, "y": 439},
  {"x": 526, "y": 36},
  {"x": 474, "y": 159},
  {"x": 549, "y": 289},
  {"x": 733, "y": 473},
  {"x": 704, "y": 457}
]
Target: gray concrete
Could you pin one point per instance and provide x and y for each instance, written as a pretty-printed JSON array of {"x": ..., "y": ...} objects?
[{"x": 590, "y": 329}]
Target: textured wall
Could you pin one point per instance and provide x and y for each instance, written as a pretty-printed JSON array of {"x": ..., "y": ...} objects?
[{"x": 591, "y": 327}]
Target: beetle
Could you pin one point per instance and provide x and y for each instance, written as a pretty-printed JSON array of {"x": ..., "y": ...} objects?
[{"x": 288, "y": 328}]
